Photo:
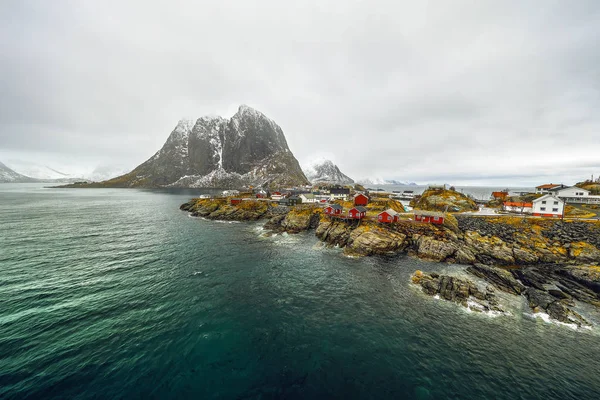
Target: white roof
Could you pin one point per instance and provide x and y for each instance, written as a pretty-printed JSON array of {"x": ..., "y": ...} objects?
[{"x": 570, "y": 187}]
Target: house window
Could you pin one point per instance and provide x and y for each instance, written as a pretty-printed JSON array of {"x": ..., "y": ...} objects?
[
  {"x": 544, "y": 202},
  {"x": 555, "y": 210},
  {"x": 556, "y": 203},
  {"x": 543, "y": 208}
]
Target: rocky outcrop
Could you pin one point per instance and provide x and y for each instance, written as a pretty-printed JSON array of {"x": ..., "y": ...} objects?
[
  {"x": 220, "y": 209},
  {"x": 334, "y": 233},
  {"x": 500, "y": 278},
  {"x": 367, "y": 240},
  {"x": 586, "y": 275},
  {"x": 434, "y": 249},
  {"x": 445, "y": 200},
  {"x": 296, "y": 219},
  {"x": 460, "y": 291},
  {"x": 554, "y": 302},
  {"x": 247, "y": 149},
  {"x": 555, "y": 305}
]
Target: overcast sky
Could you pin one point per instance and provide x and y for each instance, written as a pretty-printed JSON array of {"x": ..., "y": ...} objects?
[{"x": 499, "y": 92}]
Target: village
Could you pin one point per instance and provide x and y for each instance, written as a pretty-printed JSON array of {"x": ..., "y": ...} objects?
[
  {"x": 343, "y": 203},
  {"x": 355, "y": 203}
]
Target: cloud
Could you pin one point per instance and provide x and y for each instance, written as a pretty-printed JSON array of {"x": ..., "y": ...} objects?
[{"x": 454, "y": 91}]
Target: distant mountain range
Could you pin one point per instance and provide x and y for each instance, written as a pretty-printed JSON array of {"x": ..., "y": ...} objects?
[
  {"x": 45, "y": 173},
  {"x": 381, "y": 181},
  {"x": 7, "y": 175},
  {"x": 325, "y": 171},
  {"x": 247, "y": 149}
]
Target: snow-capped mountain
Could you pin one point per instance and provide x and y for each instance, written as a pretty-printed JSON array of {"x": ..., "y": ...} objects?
[
  {"x": 381, "y": 181},
  {"x": 325, "y": 171},
  {"x": 37, "y": 171},
  {"x": 247, "y": 149},
  {"x": 7, "y": 175}
]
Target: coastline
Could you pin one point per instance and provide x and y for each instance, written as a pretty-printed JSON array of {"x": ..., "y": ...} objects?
[{"x": 551, "y": 263}]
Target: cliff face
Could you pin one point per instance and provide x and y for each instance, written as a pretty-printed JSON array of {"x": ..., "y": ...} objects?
[{"x": 248, "y": 149}]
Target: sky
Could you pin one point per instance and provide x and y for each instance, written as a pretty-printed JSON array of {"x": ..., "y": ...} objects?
[{"x": 463, "y": 92}]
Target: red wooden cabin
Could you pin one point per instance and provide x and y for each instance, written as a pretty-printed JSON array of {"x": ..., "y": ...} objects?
[
  {"x": 387, "y": 216},
  {"x": 334, "y": 209},
  {"x": 357, "y": 212},
  {"x": 429, "y": 217},
  {"x": 360, "y": 200},
  {"x": 235, "y": 201}
]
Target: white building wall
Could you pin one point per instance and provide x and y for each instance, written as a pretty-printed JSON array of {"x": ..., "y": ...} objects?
[
  {"x": 572, "y": 192},
  {"x": 307, "y": 200},
  {"x": 548, "y": 205}
]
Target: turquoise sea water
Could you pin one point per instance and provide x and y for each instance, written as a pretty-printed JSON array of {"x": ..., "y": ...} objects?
[{"x": 118, "y": 294}]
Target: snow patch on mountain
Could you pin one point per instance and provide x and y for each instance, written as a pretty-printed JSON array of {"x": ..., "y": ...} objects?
[{"x": 325, "y": 171}]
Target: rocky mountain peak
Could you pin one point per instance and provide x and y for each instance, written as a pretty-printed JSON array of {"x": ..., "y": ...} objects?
[
  {"x": 184, "y": 126},
  {"x": 248, "y": 149}
]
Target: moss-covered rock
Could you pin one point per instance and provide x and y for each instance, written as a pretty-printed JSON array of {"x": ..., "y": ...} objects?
[
  {"x": 368, "y": 240},
  {"x": 445, "y": 200}
]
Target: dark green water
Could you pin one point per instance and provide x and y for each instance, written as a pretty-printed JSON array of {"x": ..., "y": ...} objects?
[{"x": 118, "y": 294}]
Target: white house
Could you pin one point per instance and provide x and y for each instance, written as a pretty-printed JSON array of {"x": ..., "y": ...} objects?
[
  {"x": 308, "y": 198},
  {"x": 572, "y": 191},
  {"x": 576, "y": 195},
  {"x": 548, "y": 188},
  {"x": 548, "y": 206}
]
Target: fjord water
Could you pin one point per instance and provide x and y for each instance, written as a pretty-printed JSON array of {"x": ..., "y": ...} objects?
[{"x": 108, "y": 293}]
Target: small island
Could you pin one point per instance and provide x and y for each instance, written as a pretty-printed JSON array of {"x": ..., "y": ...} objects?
[{"x": 552, "y": 262}]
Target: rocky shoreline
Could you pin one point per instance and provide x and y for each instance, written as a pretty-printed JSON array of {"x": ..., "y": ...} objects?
[{"x": 551, "y": 263}]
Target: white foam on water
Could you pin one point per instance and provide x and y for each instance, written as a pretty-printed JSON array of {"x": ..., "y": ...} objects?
[
  {"x": 351, "y": 256},
  {"x": 473, "y": 306},
  {"x": 549, "y": 320}
]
